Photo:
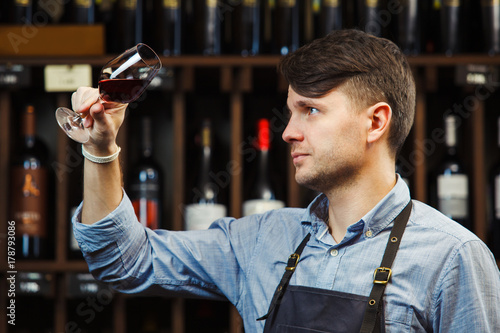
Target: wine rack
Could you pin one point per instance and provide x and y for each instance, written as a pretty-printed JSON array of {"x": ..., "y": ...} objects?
[{"x": 233, "y": 81}]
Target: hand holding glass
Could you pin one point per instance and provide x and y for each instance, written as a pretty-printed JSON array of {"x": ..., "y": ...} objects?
[{"x": 121, "y": 80}]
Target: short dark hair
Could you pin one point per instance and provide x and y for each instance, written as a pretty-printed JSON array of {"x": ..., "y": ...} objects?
[{"x": 366, "y": 68}]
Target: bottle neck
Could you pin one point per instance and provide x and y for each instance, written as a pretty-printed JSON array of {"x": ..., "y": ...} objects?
[
  {"x": 146, "y": 142},
  {"x": 207, "y": 191},
  {"x": 28, "y": 126},
  {"x": 451, "y": 134},
  {"x": 263, "y": 182}
]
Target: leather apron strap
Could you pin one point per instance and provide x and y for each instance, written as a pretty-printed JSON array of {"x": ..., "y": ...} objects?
[
  {"x": 293, "y": 260},
  {"x": 382, "y": 274}
]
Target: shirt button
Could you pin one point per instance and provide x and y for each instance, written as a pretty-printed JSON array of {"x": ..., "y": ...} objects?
[
  {"x": 369, "y": 233},
  {"x": 334, "y": 252}
]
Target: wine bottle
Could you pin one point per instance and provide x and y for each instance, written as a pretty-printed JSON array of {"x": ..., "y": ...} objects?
[
  {"x": 130, "y": 23},
  {"x": 330, "y": 17},
  {"x": 268, "y": 25},
  {"x": 171, "y": 28},
  {"x": 451, "y": 26},
  {"x": 247, "y": 27},
  {"x": 452, "y": 183},
  {"x": 287, "y": 26},
  {"x": 30, "y": 192},
  {"x": 204, "y": 207},
  {"x": 262, "y": 196},
  {"x": 208, "y": 27},
  {"x": 408, "y": 27},
  {"x": 22, "y": 11},
  {"x": 146, "y": 182},
  {"x": 370, "y": 18},
  {"x": 431, "y": 30},
  {"x": 491, "y": 25},
  {"x": 495, "y": 214},
  {"x": 83, "y": 11},
  {"x": 106, "y": 15}
]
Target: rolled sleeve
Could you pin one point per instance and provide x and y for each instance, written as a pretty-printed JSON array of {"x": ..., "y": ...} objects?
[{"x": 118, "y": 224}]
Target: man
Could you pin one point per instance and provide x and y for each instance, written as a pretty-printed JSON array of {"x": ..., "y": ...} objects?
[{"x": 351, "y": 101}]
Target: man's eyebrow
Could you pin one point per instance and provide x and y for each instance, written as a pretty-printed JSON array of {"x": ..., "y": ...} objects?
[{"x": 307, "y": 102}]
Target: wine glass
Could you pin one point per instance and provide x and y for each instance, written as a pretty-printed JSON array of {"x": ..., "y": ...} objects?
[{"x": 121, "y": 80}]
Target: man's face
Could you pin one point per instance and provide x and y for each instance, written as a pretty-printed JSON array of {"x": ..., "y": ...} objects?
[{"x": 327, "y": 138}]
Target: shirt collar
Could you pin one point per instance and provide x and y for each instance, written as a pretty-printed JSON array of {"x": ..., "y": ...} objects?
[{"x": 376, "y": 220}]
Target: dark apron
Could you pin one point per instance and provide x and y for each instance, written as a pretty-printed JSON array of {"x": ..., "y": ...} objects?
[{"x": 300, "y": 309}]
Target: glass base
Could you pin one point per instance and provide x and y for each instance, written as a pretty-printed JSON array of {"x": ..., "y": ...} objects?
[{"x": 72, "y": 124}]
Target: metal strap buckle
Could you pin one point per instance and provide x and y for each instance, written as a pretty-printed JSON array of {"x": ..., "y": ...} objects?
[
  {"x": 293, "y": 260},
  {"x": 382, "y": 275}
]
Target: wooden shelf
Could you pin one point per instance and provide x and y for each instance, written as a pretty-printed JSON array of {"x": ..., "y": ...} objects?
[
  {"x": 49, "y": 266},
  {"x": 254, "y": 61}
]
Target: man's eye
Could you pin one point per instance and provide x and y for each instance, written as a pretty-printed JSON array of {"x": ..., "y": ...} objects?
[{"x": 313, "y": 110}]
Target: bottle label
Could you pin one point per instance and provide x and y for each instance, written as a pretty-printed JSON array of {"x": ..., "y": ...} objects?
[
  {"x": 83, "y": 3},
  {"x": 249, "y": 3},
  {"x": 451, "y": 3},
  {"x": 257, "y": 206},
  {"x": 453, "y": 195},
  {"x": 286, "y": 3},
  {"x": 211, "y": 3},
  {"x": 331, "y": 3},
  {"x": 372, "y": 3},
  {"x": 173, "y": 4},
  {"x": 497, "y": 197},
  {"x": 129, "y": 4},
  {"x": 200, "y": 217},
  {"x": 490, "y": 3},
  {"x": 147, "y": 212},
  {"x": 29, "y": 201},
  {"x": 22, "y": 3}
]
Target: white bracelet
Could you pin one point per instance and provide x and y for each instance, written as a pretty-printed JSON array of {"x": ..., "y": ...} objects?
[{"x": 99, "y": 159}]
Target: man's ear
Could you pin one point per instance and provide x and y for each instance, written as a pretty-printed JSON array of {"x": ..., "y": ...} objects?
[{"x": 379, "y": 118}]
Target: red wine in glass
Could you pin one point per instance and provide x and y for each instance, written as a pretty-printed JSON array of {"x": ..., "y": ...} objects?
[
  {"x": 121, "y": 90},
  {"x": 122, "y": 80}
]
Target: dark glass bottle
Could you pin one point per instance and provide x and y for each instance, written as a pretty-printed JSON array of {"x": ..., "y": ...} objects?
[
  {"x": 21, "y": 11},
  {"x": 30, "y": 193},
  {"x": 370, "y": 18},
  {"x": 408, "y": 27},
  {"x": 130, "y": 23},
  {"x": 491, "y": 26},
  {"x": 262, "y": 194},
  {"x": 287, "y": 26},
  {"x": 106, "y": 15},
  {"x": 208, "y": 27},
  {"x": 83, "y": 11},
  {"x": 204, "y": 207},
  {"x": 330, "y": 17},
  {"x": 171, "y": 28},
  {"x": 145, "y": 185},
  {"x": 247, "y": 23},
  {"x": 451, "y": 26},
  {"x": 452, "y": 182}
]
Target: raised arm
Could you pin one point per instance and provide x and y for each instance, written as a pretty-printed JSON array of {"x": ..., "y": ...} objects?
[{"x": 102, "y": 187}]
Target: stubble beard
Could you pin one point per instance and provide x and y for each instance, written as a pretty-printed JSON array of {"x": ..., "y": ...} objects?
[{"x": 327, "y": 177}]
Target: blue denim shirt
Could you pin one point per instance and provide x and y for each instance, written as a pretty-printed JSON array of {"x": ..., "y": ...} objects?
[{"x": 444, "y": 278}]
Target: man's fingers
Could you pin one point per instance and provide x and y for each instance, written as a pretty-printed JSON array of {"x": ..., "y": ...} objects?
[{"x": 84, "y": 98}]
